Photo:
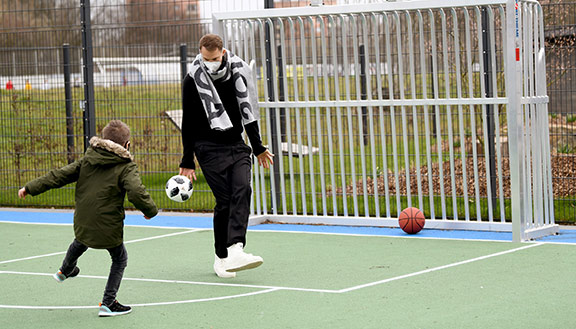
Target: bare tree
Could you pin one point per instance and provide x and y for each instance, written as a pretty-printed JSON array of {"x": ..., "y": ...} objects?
[{"x": 163, "y": 22}]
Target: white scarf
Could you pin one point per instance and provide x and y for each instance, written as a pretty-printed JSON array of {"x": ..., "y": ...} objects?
[{"x": 245, "y": 90}]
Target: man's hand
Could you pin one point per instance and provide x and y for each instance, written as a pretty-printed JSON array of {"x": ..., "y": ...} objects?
[
  {"x": 265, "y": 159},
  {"x": 22, "y": 193},
  {"x": 190, "y": 173}
]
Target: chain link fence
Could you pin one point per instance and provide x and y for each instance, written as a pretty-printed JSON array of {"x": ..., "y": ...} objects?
[
  {"x": 560, "y": 31},
  {"x": 134, "y": 48},
  {"x": 137, "y": 48}
]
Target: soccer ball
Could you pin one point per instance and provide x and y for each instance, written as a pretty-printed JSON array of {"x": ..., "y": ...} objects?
[{"x": 179, "y": 188}]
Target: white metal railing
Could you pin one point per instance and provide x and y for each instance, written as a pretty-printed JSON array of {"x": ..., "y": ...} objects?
[{"x": 439, "y": 105}]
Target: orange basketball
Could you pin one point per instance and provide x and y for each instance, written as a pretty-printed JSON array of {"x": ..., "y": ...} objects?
[{"x": 411, "y": 220}]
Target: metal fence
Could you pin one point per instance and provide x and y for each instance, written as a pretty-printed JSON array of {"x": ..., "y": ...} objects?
[
  {"x": 136, "y": 53},
  {"x": 560, "y": 32},
  {"x": 133, "y": 51}
]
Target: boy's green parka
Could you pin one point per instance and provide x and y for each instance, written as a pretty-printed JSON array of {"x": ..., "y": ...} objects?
[{"x": 104, "y": 175}]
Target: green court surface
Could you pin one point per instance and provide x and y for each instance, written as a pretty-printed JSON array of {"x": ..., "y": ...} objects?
[{"x": 307, "y": 281}]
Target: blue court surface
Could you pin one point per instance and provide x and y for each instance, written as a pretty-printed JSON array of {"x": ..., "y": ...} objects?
[{"x": 195, "y": 220}]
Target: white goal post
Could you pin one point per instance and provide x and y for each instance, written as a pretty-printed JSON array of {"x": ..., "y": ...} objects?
[{"x": 439, "y": 105}]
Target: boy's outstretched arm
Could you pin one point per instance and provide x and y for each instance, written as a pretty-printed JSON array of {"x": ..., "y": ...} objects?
[{"x": 53, "y": 179}]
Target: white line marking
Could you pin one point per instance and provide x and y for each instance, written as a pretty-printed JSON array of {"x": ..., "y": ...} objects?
[
  {"x": 438, "y": 268},
  {"x": 132, "y": 241},
  {"x": 183, "y": 282},
  {"x": 319, "y": 233},
  {"x": 378, "y": 235},
  {"x": 163, "y": 236},
  {"x": 140, "y": 305},
  {"x": 33, "y": 257},
  {"x": 267, "y": 289},
  {"x": 35, "y": 223},
  {"x": 305, "y": 289},
  {"x": 208, "y": 299},
  {"x": 131, "y": 225},
  {"x": 552, "y": 242}
]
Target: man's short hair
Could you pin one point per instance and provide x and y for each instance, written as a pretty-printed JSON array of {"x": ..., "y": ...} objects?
[
  {"x": 116, "y": 131},
  {"x": 211, "y": 42}
]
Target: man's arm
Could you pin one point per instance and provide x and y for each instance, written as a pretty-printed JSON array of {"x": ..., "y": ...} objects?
[
  {"x": 189, "y": 93},
  {"x": 265, "y": 157},
  {"x": 253, "y": 132}
]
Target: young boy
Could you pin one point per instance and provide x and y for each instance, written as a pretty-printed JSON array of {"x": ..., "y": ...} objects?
[{"x": 104, "y": 176}]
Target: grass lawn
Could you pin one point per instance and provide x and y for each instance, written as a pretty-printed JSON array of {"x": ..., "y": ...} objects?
[{"x": 34, "y": 140}]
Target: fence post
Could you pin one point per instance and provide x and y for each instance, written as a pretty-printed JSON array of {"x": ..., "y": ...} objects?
[
  {"x": 514, "y": 118},
  {"x": 432, "y": 72},
  {"x": 183, "y": 61},
  {"x": 276, "y": 196},
  {"x": 281, "y": 96},
  {"x": 489, "y": 92},
  {"x": 68, "y": 102},
  {"x": 13, "y": 64},
  {"x": 35, "y": 62},
  {"x": 363, "y": 94},
  {"x": 89, "y": 114}
]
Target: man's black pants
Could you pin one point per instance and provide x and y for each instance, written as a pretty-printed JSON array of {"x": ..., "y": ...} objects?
[
  {"x": 227, "y": 171},
  {"x": 119, "y": 261}
]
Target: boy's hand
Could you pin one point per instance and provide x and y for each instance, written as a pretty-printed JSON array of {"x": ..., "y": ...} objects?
[{"x": 22, "y": 193}]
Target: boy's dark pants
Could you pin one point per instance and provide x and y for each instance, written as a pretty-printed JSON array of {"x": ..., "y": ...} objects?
[
  {"x": 119, "y": 262},
  {"x": 227, "y": 171}
]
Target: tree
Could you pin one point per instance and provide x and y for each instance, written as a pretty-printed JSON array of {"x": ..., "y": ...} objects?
[{"x": 160, "y": 22}]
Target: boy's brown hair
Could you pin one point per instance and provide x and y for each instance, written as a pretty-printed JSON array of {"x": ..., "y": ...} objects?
[
  {"x": 211, "y": 42},
  {"x": 116, "y": 131}
]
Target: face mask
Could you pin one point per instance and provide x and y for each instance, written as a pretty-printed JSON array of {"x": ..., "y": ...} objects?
[{"x": 212, "y": 66}]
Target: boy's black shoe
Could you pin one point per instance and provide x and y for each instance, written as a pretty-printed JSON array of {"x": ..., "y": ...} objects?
[
  {"x": 114, "y": 309},
  {"x": 59, "y": 276}
]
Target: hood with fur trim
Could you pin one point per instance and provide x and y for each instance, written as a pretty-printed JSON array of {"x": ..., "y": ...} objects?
[{"x": 104, "y": 152}]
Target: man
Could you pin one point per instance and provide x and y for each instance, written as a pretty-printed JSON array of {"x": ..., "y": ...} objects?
[{"x": 220, "y": 101}]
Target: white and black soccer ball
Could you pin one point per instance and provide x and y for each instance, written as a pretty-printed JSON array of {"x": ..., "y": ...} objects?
[{"x": 179, "y": 188}]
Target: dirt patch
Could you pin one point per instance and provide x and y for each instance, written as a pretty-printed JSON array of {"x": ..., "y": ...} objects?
[{"x": 563, "y": 173}]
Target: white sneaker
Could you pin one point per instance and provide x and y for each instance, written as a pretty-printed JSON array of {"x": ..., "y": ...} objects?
[
  {"x": 220, "y": 270},
  {"x": 238, "y": 260}
]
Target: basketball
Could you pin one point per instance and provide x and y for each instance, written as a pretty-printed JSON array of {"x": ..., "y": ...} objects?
[{"x": 411, "y": 220}]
